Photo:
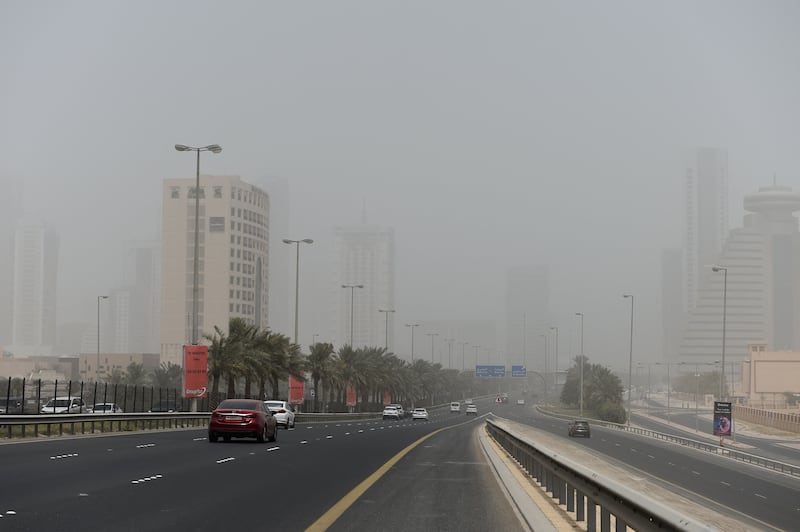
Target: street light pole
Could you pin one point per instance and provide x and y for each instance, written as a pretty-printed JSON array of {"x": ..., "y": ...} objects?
[
  {"x": 546, "y": 349},
  {"x": 463, "y": 365},
  {"x": 432, "y": 335},
  {"x": 476, "y": 354},
  {"x": 581, "y": 364},
  {"x": 352, "y": 288},
  {"x": 412, "y": 325},
  {"x": 97, "y": 367},
  {"x": 297, "y": 280},
  {"x": 449, "y": 352},
  {"x": 724, "y": 317},
  {"x": 386, "y": 312},
  {"x": 213, "y": 148},
  {"x": 630, "y": 362}
]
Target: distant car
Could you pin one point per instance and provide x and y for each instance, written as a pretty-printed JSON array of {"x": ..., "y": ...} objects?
[
  {"x": 11, "y": 406},
  {"x": 520, "y": 401},
  {"x": 400, "y": 410},
  {"x": 455, "y": 406},
  {"x": 472, "y": 409},
  {"x": 242, "y": 418},
  {"x": 284, "y": 415},
  {"x": 391, "y": 412},
  {"x": 64, "y": 405},
  {"x": 419, "y": 413},
  {"x": 579, "y": 428},
  {"x": 105, "y": 408}
]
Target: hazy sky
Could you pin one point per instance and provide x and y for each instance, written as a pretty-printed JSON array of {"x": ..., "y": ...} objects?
[{"x": 488, "y": 134}]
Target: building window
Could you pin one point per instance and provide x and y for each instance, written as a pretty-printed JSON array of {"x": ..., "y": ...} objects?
[
  {"x": 174, "y": 192},
  {"x": 218, "y": 192}
]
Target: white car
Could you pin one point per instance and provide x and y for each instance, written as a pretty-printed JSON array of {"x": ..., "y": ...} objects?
[
  {"x": 399, "y": 409},
  {"x": 419, "y": 413},
  {"x": 284, "y": 415},
  {"x": 64, "y": 405},
  {"x": 391, "y": 412},
  {"x": 455, "y": 406},
  {"x": 105, "y": 408},
  {"x": 472, "y": 409}
]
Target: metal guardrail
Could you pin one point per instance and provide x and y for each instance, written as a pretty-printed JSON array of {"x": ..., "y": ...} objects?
[
  {"x": 583, "y": 491},
  {"x": 52, "y": 424},
  {"x": 713, "y": 448}
]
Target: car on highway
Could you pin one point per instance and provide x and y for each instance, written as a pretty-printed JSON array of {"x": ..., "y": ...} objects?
[
  {"x": 400, "y": 409},
  {"x": 64, "y": 405},
  {"x": 419, "y": 413},
  {"x": 105, "y": 408},
  {"x": 284, "y": 415},
  {"x": 242, "y": 418},
  {"x": 391, "y": 412},
  {"x": 472, "y": 409},
  {"x": 455, "y": 406},
  {"x": 579, "y": 428}
]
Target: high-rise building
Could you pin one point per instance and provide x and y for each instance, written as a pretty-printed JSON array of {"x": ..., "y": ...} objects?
[
  {"x": 281, "y": 258},
  {"x": 527, "y": 295},
  {"x": 10, "y": 213},
  {"x": 134, "y": 307},
  {"x": 705, "y": 215},
  {"x": 365, "y": 257},
  {"x": 761, "y": 299},
  {"x": 672, "y": 313},
  {"x": 233, "y": 258},
  {"x": 35, "y": 277}
]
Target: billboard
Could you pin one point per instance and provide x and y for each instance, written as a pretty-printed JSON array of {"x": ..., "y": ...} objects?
[
  {"x": 195, "y": 371},
  {"x": 351, "y": 396},
  {"x": 297, "y": 390},
  {"x": 723, "y": 418},
  {"x": 489, "y": 370}
]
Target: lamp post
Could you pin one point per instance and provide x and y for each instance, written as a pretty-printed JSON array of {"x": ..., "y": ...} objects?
[
  {"x": 314, "y": 338},
  {"x": 524, "y": 338},
  {"x": 297, "y": 279},
  {"x": 387, "y": 312},
  {"x": 630, "y": 362},
  {"x": 97, "y": 367},
  {"x": 463, "y": 345},
  {"x": 476, "y": 354},
  {"x": 412, "y": 325},
  {"x": 724, "y": 317},
  {"x": 581, "y": 364},
  {"x": 352, "y": 288},
  {"x": 555, "y": 371},
  {"x": 432, "y": 335},
  {"x": 213, "y": 148},
  {"x": 449, "y": 352},
  {"x": 545, "y": 365}
]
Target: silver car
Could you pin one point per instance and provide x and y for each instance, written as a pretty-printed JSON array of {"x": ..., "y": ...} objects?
[{"x": 284, "y": 415}]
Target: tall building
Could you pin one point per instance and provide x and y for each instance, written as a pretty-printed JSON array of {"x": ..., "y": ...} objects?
[
  {"x": 527, "y": 295},
  {"x": 672, "y": 314},
  {"x": 705, "y": 215},
  {"x": 134, "y": 307},
  {"x": 10, "y": 213},
  {"x": 281, "y": 258},
  {"x": 233, "y": 258},
  {"x": 35, "y": 278},
  {"x": 365, "y": 257},
  {"x": 761, "y": 299}
]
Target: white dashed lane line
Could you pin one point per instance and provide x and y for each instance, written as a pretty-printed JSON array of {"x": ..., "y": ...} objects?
[
  {"x": 146, "y": 479},
  {"x": 223, "y": 460},
  {"x": 62, "y": 456},
  {"x": 273, "y": 449},
  {"x": 145, "y": 445},
  {"x": 9, "y": 512},
  {"x": 759, "y": 495}
]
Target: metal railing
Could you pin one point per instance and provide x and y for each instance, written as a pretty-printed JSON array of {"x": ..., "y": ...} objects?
[
  {"x": 584, "y": 491},
  {"x": 24, "y": 426}
]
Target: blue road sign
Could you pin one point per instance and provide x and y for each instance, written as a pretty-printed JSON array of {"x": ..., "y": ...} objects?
[
  {"x": 519, "y": 371},
  {"x": 488, "y": 370}
]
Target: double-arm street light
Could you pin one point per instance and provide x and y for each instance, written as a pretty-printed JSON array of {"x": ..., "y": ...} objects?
[
  {"x": 432, "y": 335},
  {"x": 413, "y": 326},
  {"x": 630, "y": 362},
  {"x": 97, "y": 367},
  {"x": 581, "y": 365},
  {"x": 386, "y": 312},
  {"x": 723, "y": 269},
  {"x": 297, "y": 280},
  {"x": 213, "y": 148},
  {"x": 352, "y": 288}
]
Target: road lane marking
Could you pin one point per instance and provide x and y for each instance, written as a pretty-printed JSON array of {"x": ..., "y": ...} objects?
[
  {"x": 62, "y": 456},
  {"x": 328, "y": 437},
  {"x": 759, "y": 495},
  {"x": 223, "y": 460},
  {"x": 145, "y": 445},
  {"x": 303, "y": 442},
  {"x": 146, "y": 479},
  {"x": 272, "y": 449},
  {"x": 651, "y": 456},
  {"x": 725, "y": 483},
  {"x": 695, "y": 472}
]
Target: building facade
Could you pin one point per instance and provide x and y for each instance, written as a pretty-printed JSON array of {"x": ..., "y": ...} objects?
[
  {"x": 10, "y": 213},
  {"x": 365, "y": 256},
  {"x": 233, "y": 258}
]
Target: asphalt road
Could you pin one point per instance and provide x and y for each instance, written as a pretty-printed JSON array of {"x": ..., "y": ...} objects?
[
  {"x": 730, "y": 487},
  {"x": 179, "y": 481}
]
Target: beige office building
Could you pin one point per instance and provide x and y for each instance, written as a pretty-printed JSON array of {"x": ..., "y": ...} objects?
[{"x": 233, "y": 258}]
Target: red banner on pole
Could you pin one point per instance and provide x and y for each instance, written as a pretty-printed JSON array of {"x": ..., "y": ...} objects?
[
  {"x": 297, "y": 390},
  {"x": 387, "y": 398},
  {"x": 195, "y": 371},
  {"x": 351, "y": 396}
]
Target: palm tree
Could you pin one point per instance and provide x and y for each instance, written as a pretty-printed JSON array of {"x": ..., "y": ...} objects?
[
  {"x": 320, "y": 361},
  {"x": 135, "y": 374},
  {"x": 167, "y": 375}
]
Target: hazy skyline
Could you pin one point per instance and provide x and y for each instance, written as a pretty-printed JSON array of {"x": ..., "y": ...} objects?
[{"x": 488, "y": 135}]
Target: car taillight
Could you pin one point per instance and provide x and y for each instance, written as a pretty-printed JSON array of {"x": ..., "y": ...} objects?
[{"x": 281, "y": 411}]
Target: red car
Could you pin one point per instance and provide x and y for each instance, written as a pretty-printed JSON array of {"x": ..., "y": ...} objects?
[{"x": 242, "y": 418}]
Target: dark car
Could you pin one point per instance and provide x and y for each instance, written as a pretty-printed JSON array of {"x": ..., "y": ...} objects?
[
  {"x": 580, "y": 428},
  {"x": 242, "y": 418}
]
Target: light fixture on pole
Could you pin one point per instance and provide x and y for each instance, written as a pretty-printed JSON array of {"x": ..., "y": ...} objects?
[
  {"x": 432, "y": 335},
  {"x": 555, "y": 371},
  {"x": 630, "y": 362},
  {"x": 352, "y": 288},
  {"x": 413, "y": 326},
  {"x": 387, "y": 312},
  {"x": 463, "y": 358},
  {"x": 724, "y": 318},
  {"x": 581, "y": 364},
  {"x": 97, "y": 367},
  {"x": 213, "y": 148},
  {"x": 297, "y": 280},
  {"x": 546, "y": 349}
]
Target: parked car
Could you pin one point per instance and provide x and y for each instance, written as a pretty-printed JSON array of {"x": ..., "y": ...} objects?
[
  {"x": 455, "y": 406},
  {"x": 419, "y": 413},
  {"x": 391, "y": 412},
  {"x": 472, "y": 409},
  {"x": 242, "y": 418},
  {"x": 284, "y": 415},
  {"x": 64, "y": 405},
  {"x": 579, "y": 428},
  {"x": 105, "y": 408}
]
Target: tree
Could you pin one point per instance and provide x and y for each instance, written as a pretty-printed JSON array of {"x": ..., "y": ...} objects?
[
  {"x": 320, "y": 362},
  {"x": 167, "y": 375},
  {"x": 135, "y": 374}
]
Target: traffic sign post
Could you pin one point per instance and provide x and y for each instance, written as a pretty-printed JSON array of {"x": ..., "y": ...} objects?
[
  {"x": 519, "y": 371},
  {"x": 490, "y": 371}
]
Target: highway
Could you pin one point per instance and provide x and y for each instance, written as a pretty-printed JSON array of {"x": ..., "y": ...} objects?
[{"x": 177, "y": 480}]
